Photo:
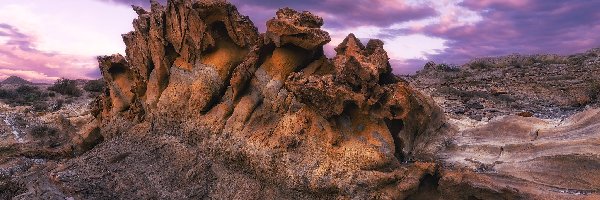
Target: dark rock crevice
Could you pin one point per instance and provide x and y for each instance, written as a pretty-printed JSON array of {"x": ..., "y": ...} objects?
[{"x": 395, "y": 127}]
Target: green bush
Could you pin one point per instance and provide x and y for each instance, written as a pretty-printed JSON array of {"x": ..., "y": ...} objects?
[
  {"x": 40, "y": 106},
  {"x": 594, "y": 91},
  {"x": 66, "y": 87},
  {"x": 479, "y": 64},
  {"x": 23, "y": 95},
  {"x": 57, "y": 105},
  {"x": 94, "y": 86},
  {"x": 5, "y": 94}
]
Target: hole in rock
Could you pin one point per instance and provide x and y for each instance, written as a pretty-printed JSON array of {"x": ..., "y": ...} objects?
[
  {"x": 396, "y": 110},
  {"x": 395, "y": 126},
  {"x": 120, "y": 76},
  {"x": 225, "y": 55},
  {"x": 387, "y": 78},
  {"x": 150, "y": 69},
  {"x": 427, "y": 188},
  {"x": 117, "y": 70},
  {"x": 92, "y": 140}
]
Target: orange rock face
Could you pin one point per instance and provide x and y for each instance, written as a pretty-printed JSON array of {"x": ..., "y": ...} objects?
[{"x": 271, "y": 105}]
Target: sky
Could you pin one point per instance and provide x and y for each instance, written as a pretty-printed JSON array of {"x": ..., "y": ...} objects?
[{"x": 43, "y": 40}]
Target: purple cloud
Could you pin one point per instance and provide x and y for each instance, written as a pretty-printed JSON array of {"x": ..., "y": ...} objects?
[
  {"x": 143, "y": 3},
  {"x": 506, "y": 26},
  {"x": 343, "y": 14},
  {"x": 408, "y": 66},
  {"x": 526, "y": 27},
  {"x": 20, "y": 57},
  {"x": 337, "y": 13}
]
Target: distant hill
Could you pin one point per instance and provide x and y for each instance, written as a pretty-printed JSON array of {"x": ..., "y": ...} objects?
[
  {"x": 16, "y": 80},
  {"x": 547, "y": 86}
]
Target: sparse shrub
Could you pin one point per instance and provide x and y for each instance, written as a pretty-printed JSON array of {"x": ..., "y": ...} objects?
[
  {"x": 4, "y": 94},
  {"x": 20, "y": 121},
  {"x": 448, "y": 90},
  {"x": 577, "y": 59},
  {"x": 479, "y": 64},
  {"x": 94, "y": 86},
  {"x": 26, "y": 94},
  {"x": 505, "y": 98},
  {"x": 594, "y": 91},
  {"x": 516, "y": 63},
  {"x": 525, "y": 114},
  {"x": 23, "y": 95},
  {"x": 41, "y": 131},
  {"x": 66, "y": 87},
  {"x": 10, "y": 188},
  {"x": 57, "y": 105},
  {"x": 69, "y": 101},
  {"x": 40, "y": 106}
]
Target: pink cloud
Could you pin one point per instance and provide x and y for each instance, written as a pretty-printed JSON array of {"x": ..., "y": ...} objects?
[
  {"x": 19, "y": 56},
  {"x": 32, "y": 76},
  {"x": 481, "y": 4},
  {"x": 472, "y": 28},
  {"x": 525, "y": 27},
  {"x": 337, "y": 13}
]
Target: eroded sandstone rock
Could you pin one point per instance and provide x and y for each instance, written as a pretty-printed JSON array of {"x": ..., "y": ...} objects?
[
  {"x": 270, "y": 105},
  {"x": 518, "y": 157},
  {"x": 203, "y": 106}
]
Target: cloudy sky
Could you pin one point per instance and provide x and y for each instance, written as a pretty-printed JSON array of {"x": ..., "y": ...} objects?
[{"x": 42, "y": 40}]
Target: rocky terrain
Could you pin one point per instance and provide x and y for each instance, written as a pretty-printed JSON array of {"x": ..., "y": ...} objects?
[
  {"x": 203, "y": 106},
  {"x": 37, "y": 126},
  {"x": 545, "y": 86}
]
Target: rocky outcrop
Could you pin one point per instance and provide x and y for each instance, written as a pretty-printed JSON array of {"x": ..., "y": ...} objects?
[
  {"x": 518, "y": 157},
  {"x": 203, "y": 106},
  {"x": 269, "y": 107},
  {"x": 544, "y": 86},
  {"x": 526, "y": 126}
]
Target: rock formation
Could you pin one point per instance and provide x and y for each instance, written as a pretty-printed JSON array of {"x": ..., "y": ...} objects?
[
  {"x": 203, "y": 106},
  {"x": 544, "y": 86},
  {"x": 270, "y": 105},
  {"x": 518, "y": 157}
]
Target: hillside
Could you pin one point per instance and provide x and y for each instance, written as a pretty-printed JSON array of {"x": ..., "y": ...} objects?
[
  {"x": 545, "y": 86},
  {"x": 16, "y": 81}
]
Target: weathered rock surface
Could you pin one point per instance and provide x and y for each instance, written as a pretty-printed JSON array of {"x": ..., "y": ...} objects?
[
  {"x": 526, "y": 126},
  {"x": 517, "y": 157},
  {"x": 205, "y": 107},
  {"x": 545, "y": 86}
]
